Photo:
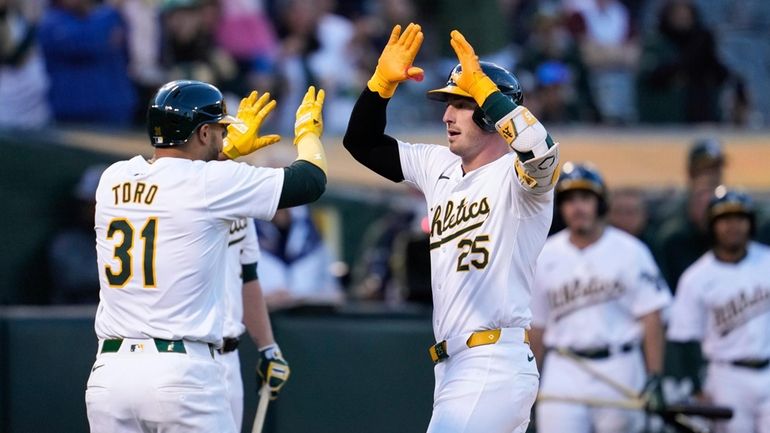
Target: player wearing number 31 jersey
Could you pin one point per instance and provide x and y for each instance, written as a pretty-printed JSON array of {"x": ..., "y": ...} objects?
[
  {"x": 489, "y": 209},
  {"x": 162, "y": 229}
]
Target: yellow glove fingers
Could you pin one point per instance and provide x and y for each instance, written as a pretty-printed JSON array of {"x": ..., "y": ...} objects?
[
  {"x": 320, "y": 98},
  {"x": 263, "y": 112},
  {"x": 409, "y": 34},
  {"x": 463, "y": 43},
  {"x": 271, "y": 139},
  {"x": 414, "y": 47},
  {"x": 261, "y": 102},
  {"x": 252, "y": 97},
  {"x": 394, "y": 35},
  {"x": 309, "y": 96}
]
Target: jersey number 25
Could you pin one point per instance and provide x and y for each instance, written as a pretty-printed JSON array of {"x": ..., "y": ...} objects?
[{"x": 480, "y": 257}]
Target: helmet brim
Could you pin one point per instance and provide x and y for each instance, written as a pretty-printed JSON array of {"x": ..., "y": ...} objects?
[{"x": 443, "y": 93}]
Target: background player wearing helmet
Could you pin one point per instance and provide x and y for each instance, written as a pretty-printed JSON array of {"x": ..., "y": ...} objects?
[
  {"x": 161, "y": 238},
  {"x": 490, "y": 210},
  {"x": 597, "y": 293},
  {"x": 723, "y": 301}
]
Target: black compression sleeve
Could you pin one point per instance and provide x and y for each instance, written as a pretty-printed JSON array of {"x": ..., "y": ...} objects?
[
  {"x": 249, "y": 272},
  {"x": 303, "y": 183},
  {"x": 366, "y": 140}
]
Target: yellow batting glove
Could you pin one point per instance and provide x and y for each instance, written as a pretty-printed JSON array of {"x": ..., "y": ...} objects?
[
  {"x": 309, "y": 127},
  {"x": 395, "y": 63},
  {"x": 309, "y": 117},
  {"x": 243, "y": 138},
  {"x": 472, "y": 79}
]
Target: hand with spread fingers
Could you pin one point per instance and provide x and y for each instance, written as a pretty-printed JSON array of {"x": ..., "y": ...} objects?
[
  {"x": 309, "y": 116},
  {"x": 243, "y": 138},
  {"x": 395, "y": 63},
  {"x": 272, "y": 369},
  {"x": 472, "y": 79}
]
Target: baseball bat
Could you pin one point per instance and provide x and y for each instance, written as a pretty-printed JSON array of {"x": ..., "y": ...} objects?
[
  {"x": 634, "y": 403},
  {"x": 259, "y": 417},
  {"x": 671, "y": 410},
  {"x": 705, "y": 411}
]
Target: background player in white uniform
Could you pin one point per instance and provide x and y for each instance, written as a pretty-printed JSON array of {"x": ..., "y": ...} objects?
[
  {"x": 597, "y": 295},
  {"x": 161, "y": 238},
  {"x": 245, "y": 309},
  {"x": 723, "y": 301},
  {"x": 490, "y": 210}
]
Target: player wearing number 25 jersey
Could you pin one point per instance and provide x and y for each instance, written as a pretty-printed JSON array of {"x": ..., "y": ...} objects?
[
  {"x": 162, "y": 228},
  {"x": 490, "y": 200}
]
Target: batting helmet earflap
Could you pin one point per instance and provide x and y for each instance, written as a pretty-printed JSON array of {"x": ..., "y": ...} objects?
[
  {"x": 730, "y": 202},
  {"x": 583, "y": 177},
  {"x": 180, "y": 107},
  {"x": 506, "y": 82}
]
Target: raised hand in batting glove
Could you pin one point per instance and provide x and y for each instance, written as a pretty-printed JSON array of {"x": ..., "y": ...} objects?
[
  {"x": 309, "y": 115},
  {"x": 472, "y": 79},
  {"x": 395, "y": 63},
  {"x": 243, "y": 138},
  {"x": 309, "y": 127},
  {"x": 653, "y": 394},
  {"x": 272, "y": 369}
]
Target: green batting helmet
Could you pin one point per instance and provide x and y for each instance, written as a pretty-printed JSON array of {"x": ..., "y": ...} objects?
[{"x": 180, "y": 107}]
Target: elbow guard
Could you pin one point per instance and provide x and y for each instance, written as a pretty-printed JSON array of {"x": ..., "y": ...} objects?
[
  {"x": 524, "y": 134},
  {"x": 539, "y": 174}
]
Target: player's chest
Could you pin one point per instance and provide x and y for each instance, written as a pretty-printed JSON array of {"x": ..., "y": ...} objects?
[{"x": 734, "y": 290}]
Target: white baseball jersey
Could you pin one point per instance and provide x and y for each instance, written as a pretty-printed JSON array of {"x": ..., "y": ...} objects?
[
  {"x": 242, "y": 249},
  {"x": 486, "y": 233},
  {"x": 593, "y": 297},
  {"x": 726, "y": 306},
  {"x": 161, "y": 241}
]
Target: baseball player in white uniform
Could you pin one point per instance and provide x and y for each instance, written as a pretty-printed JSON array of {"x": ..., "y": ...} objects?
[
  {"x": 489, "y": 197},
  {"x": 245, "y": 310},
  {"x": 597, "y": 297},
  {"x": 723, "y": 302},
  {"x": 161, "y": 239}
]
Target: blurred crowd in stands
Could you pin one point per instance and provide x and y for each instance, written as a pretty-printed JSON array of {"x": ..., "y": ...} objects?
[
  {"x": 298, "y": 266},
  {"x": 617, "y": 62}
]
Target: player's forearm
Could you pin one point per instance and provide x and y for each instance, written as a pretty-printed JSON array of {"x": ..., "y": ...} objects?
[
  {"x": 303, "y": 182},
  {"x": 653, "y": 342},
  {"x": 366, "y": 140},
  {"x": 255, "y": 316}
]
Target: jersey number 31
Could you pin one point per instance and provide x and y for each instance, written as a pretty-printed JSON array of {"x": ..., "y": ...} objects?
[{"x": 123, "y": 252}]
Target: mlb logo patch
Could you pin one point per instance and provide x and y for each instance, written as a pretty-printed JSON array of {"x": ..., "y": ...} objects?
[{"x": 137, "y": 347}]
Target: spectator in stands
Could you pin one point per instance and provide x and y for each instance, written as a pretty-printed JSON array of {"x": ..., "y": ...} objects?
[
  {"x": 143, "y": 20},
  {"x": 188, "y": 49},
  {"x": 681, "y": 76},
  {"x": 628, "y": 212},
  {"x": 315, "y": 49},
  {"x": 551, "y": 66},
  {"x": 84, "y": 44},
  {"x": 683, "y": 235},
  {"x": 71, "y": 253},
  {"x": 248, "y": 36},
  {"x": 23, "y": 80},
  {"x": 294, "y": 267},
  {"x": 610, "y": 50}
]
